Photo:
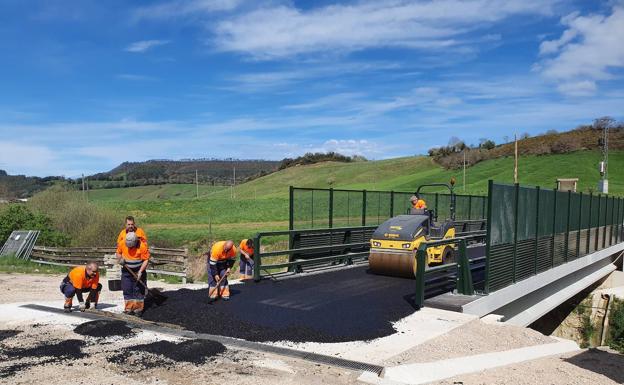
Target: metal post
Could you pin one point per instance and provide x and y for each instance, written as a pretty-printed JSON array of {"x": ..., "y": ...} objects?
[
  {"x": 515, "y": 248},
  {"x": 488, "y": 237},
  {"x": 567, "y": 237},
  {"x": 437, "y": 213},
  {"x": 257, "y": 258},
  {"x": 537, "y": 211},
  {"x": 391, "y": 204},
  {"x": 578, "y": 230},
  {"x": 363, "y": 207},
  {"x": 464, "y": 281},
  {"x": 483, "y": 203},
  {"x": 589, "y": 222},
  {"x": 312, "y": 208},
  {"x": 612, "y": 221},
  {"x": 419, "y": 298},
  {"x": 469, "y": 206},
  {"x": 598, "y": 225},
  {"x": 331, "y": 208},
  {"x": 554, "y": 230},
  {"x": 291, "y": 208},
  {"x": 618, "y": 235}
]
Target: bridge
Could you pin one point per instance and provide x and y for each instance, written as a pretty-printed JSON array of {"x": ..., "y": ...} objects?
[{"x": 521, "y": 250}]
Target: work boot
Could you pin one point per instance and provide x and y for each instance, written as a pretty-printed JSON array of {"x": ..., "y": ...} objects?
[
  {"x": 68, "y": 305},
  {"x": 87, "y": 305},
  {"x": 128, "y": 307},
  {"x": 138, "y": 308}
]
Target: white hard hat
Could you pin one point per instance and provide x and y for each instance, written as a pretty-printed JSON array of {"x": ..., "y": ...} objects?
[{"x": 131, "y": 239}]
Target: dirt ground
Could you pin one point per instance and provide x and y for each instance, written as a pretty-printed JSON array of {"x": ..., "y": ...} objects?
[{"x": 36, "y": 352}]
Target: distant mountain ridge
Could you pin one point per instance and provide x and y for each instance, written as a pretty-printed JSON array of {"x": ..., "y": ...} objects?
[{"x": 161, "y": 171}]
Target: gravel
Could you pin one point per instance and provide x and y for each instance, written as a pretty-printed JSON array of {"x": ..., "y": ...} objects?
[
  {"x": 311, "y": 308},
  {"x": 472, "y": 338},
  {"x": 64, "y": 351},
  {"x": 104, "y": 328}
]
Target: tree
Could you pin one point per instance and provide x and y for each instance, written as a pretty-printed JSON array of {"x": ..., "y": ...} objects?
[
  {"x": 604, "y": 122},
  {"x": 487, "y": 144}
]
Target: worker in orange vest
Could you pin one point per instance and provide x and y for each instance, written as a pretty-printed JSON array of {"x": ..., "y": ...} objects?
[
  {"x": 131, "y": 227},
  {"x": 246, "y": 259},
  {"x": 222, "y": 256},
  {"x": 418, "y": 203},
  {"x": 133, "y": 254},
  {"x": 82, "y": 279}
]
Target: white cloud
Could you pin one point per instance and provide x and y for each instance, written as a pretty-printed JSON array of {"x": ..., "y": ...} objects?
[
  {"x": 350, "y": 147},
  {"x": 144, "y": 45},
  {"x": 23, "y": 158},
  {"x": 285, "y": 31},
  {"x": 183, "y": 8},
  {"x": 587, "y": 51}
]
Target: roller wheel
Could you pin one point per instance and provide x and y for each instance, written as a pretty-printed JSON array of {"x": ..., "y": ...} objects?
[{"x": 448, "y": 256}]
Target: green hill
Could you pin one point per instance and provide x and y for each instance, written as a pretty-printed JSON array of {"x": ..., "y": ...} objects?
[{"x": 173, "y": 215}]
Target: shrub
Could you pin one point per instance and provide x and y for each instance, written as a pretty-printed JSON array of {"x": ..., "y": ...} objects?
[
  {"x": 83, "y": 222},
  {"x": 616, "y": 325},
  {"x": 19, "y": 217}
]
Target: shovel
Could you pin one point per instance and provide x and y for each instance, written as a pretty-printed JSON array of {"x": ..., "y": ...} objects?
[
  {"x": 215, "y": 288},
  {"x": 159, "y": 298}
]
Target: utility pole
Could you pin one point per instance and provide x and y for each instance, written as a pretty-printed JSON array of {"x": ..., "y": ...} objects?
[
  {"x": 197, "y": 184},
  {"x": 516, "y": 159},
  {"x": 604, "y": 165},
  {"x": 464, "y": 170}
]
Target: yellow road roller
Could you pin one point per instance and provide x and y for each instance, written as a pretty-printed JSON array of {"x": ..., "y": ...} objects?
[{"x": 395, "y": 242}]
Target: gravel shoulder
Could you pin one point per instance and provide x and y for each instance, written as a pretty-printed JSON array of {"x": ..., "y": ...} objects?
[{"x": 475, "y": 337}]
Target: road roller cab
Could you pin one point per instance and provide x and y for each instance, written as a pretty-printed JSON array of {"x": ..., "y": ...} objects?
[{"x": 395, "y": 242}]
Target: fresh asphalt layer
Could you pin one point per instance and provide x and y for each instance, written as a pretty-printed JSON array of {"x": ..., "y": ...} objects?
[{"x": 338, "y": 306}]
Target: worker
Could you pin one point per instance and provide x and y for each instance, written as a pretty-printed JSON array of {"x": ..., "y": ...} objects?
[
  {"x": 132, "y": 227},
  {"x": 82, "y": 279},
  {"x": 222, "y": 255},
  {"x": 133, "y": 254},
  {"x": 246, "y": 258},
  {"x": 418, "y": 203}
]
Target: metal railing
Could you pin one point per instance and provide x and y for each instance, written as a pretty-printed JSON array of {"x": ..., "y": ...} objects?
[
  {"x": 338, "y": 245},
  {"x": 531, "y": 230},
  {"x": 460, "y": 271},
  {"x": 327, "y": 208}
]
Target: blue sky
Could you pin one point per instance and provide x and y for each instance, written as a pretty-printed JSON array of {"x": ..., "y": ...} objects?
[{"x": 88, "y": 84}]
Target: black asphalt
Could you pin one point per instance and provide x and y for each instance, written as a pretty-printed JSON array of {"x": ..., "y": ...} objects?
[
  {"x": 103, "y": 329},
  {"x": 191, "y": 351},
  {"x": 338, "y": 306}
]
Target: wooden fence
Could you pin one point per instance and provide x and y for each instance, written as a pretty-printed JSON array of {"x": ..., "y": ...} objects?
[{"x": 163, "y": 261}]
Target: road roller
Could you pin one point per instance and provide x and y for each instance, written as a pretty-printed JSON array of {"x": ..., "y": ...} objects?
[{"x": 395, "y": 242}]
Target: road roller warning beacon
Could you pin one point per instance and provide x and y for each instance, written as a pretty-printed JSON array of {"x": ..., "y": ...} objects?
[{"x": 395, "y": 242}]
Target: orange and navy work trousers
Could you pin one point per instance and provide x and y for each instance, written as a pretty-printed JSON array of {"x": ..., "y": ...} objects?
[{"x": 133, "y": 291}]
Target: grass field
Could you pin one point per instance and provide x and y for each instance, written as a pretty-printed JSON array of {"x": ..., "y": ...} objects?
[{"x": 173, "y": 216}]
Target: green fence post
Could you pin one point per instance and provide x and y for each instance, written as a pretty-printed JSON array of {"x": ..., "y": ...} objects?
[
  {"x": 257, "y": 258},
  {"x": 604, "y": 229},
  {"x": 363, "y": 207},
  {"x": 483, "y": 204},
  {"x": 618, "y": 235},
  {"x": 331, "y": 208},
  {"x": 437, "y": 213},
  {"x": 589, "y": 222},
  {"x": 537, "y": 211},
  {"x": 554, "y": 230},
  {"x": 469, "y": 206},
  {"x": 464, "y": 281},
  {"x": 515, "y": 248},
  {"x": 596, "y": 245},
  {"x": 419, "y": 299},
  {"x": 488, "y": 237},
  {"x": 612, "y": 221},
  {"x": 291, "y": 207},
  {"x": 312, "y": 208},
  {"x": 391, "y": 204},
  {"x": 578, "y": 230},
  {"x": 567, "y": 237}
]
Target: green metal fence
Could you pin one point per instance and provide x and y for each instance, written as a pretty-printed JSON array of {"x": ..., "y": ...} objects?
[
  {"x": 531, "y": 230},
  {"x": 326, "y": 208}
]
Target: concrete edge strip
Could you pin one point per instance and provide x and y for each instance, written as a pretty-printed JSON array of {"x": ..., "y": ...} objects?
[
  {"x": 421, "y": 373},
  {"x": 227, "y": 341}
]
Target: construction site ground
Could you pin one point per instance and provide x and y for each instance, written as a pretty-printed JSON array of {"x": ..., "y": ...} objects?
[{"x": 37, "y": 346}]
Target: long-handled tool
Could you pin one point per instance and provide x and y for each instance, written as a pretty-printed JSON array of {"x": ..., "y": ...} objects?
[
  {"x": 216, "y": 287},
  {"x": 159, "y": 298}
]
